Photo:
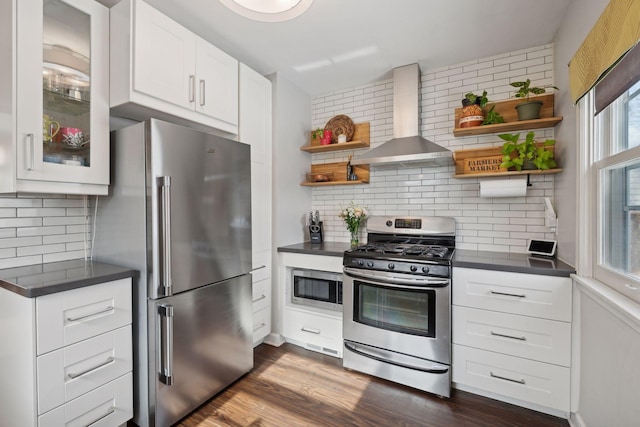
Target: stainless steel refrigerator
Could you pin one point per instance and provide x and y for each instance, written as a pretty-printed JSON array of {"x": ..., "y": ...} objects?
[{"x": 179, "y": 211}]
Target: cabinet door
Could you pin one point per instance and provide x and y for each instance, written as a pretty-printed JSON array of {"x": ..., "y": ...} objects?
[
  {"x": 217, "y": 80},
  {"x": 255, "y": 130},
  {"x": 164, "y": 58},
  {"x": 62, "y": 92}
]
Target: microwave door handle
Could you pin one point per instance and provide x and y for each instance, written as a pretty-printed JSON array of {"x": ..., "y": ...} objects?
[{"x": 391, "y": 279}]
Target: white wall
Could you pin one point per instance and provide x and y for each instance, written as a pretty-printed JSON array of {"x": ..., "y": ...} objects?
[
  {"x": 578, "y": 21},
  {"x": 495, "y": 224},
  {"x": 291, "y": 124}
]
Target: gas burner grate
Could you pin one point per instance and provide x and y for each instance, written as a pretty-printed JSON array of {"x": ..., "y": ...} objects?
[{"x": 404, "y": 249}]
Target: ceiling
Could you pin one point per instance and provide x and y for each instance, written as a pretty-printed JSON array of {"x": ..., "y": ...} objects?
[{"x": 337, "y": 44}]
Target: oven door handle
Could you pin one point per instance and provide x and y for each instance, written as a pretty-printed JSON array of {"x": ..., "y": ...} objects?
[
  {"x": 414, "y": 281},
  {"x": 432, "y": 370}
]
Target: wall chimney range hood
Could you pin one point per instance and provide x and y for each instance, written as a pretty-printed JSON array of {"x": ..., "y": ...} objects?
[{"x": 407, "y": 146}]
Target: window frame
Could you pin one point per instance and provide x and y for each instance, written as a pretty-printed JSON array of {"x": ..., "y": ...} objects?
[{"x": 595, "y": 159}]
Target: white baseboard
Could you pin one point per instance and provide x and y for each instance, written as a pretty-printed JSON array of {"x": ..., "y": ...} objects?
[
  {"x": 575, "y": 420},
  {"x": 274, "y": 339}
]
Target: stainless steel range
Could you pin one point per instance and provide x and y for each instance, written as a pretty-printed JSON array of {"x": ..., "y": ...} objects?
[{"x": 397, "y": 302}]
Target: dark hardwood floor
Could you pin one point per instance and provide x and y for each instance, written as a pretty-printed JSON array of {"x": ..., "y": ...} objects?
[{"x": 291, "y": 386}]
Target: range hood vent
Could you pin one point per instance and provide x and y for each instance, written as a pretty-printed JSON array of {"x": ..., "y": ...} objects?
[{"x": 407, "y": 146}]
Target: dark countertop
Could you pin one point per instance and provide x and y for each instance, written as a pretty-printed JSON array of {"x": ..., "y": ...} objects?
[
  {"x": 42, "y": 279},
  {"x": 485, "y": 260},
  {"x": 324, "y": 248},
  {"x": 515, "y": 263}
]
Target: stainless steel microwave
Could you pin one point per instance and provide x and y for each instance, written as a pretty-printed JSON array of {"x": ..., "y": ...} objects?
[{"x": 314, "y": 288}]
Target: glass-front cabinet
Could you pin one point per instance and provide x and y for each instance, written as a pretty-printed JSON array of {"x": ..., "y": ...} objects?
[{"x": 62, "y": 96}]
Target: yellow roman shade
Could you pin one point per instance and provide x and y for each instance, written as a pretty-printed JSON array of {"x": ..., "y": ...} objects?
[{"x": 617, "y": 31}]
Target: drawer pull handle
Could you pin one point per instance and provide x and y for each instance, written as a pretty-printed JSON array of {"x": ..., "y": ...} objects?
[
  {"x": 109, "y": 412},
  {"x": 260, "y": 298},
  {"x": 105, "y": 363},
  {"x": 506, "y": 379},
  {"x": 507, "y": 294},
  {"x": 632, "y": 287},
  {"x": 260, "y": 326},
  {"x": 73, "y": 319},
  {"x": 508, "y": 336},
  {"x": 311, "y": 331}
]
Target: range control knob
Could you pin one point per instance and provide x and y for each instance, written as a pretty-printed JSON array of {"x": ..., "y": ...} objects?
[
  {"x": 360, "y": 262},
  {"x": 425, "y": 270},
  {"x": 413, "y": 268},
  {"x": 370, "y": 264},
  {"x": 391, "y": 266},
  {"x": 389, "y": 223}
]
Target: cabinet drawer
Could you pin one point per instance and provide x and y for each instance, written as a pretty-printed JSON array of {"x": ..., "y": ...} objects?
[
  {"x": 69, "y": 372},
  {"x": 261, "y": 265},
  {"x": 106, "y": 406},
  {"x": 547, "y": 297},
  {"x": 537, "y": 339},
  {"x": 69, "y": 317},
  {"x": 261, "y": 324},
  {"x": 318, "y": 330},
  {"x": 535, "y": 382},
  {"x": 261, "y": 295}
]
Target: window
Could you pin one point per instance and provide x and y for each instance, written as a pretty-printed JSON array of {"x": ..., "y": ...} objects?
[{"x": 616, "y": 170}]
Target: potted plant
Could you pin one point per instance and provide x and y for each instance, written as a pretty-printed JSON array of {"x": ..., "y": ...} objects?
[
  {"x": 529, "y": 110},
  {"x": 492, "y": 117},
  {"x": 526, "y": 155},
  {"x": 317, "y": 134},
  {"x": 472, "y": 109}
]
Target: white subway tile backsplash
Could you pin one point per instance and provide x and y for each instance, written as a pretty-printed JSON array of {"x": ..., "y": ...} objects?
[
  {"x": 482, "y": 223},
  {"x": 41, "y": 228}
]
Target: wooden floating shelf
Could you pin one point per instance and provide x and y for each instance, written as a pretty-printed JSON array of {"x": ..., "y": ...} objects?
[
  {"x": 461, "y": 158},
  {"x": 507, "y": 173},
  {"x": 507, "y": 109},
  {"x": 361, "y": 139},
  {"x": 339, "y": 171}
]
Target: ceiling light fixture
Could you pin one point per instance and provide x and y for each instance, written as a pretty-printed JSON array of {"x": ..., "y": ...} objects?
[{"x": 268, "y": 10}]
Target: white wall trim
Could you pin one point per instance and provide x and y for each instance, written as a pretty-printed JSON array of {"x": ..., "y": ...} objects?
[
  {"x": 575, "y": 420},
  {"x": 615, "y": 303}
]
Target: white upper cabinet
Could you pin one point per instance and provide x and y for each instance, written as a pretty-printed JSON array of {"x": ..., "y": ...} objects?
[
  {"x": 56, "y": 90},
  {"x": 162, "y": 69}
]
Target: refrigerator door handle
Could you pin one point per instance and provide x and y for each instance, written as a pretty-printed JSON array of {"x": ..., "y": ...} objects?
[
  {"x": 164, "y": 184},
  {"x": 165, "y": 348}
]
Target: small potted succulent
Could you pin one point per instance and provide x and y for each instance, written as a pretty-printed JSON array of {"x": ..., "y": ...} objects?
[
  {"x": 526, "y": 155},
  {"x": 529, "y": 110}
]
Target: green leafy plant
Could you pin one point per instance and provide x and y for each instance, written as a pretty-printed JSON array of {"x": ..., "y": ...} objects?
[
  {"x": 471, "y": 99},
  {"x": 525, "y": 89},
  {"x": 317, "y": 134},
  {"x": 492, "y": 117},
  {"x": 515, "y": 153}
]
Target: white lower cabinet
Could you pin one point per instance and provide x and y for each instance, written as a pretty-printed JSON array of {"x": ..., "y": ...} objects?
[
  {"x": 73, "y": 357},
  {"x": 512, "y": 337},
  {"x": 313, "y": 328},
  {"x": 107, "y": 406},
  {"x": 527, "y": 380}
]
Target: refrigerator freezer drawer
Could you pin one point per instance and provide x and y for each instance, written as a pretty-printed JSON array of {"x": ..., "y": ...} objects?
[{"x": 205, "y": 342}]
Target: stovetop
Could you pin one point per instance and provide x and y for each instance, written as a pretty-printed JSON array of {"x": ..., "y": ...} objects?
[
  {"x": 415, "y": 245},
  {"x": 413, "y": 251}
]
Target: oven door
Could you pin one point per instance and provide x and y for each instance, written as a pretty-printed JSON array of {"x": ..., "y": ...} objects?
[{"x": 403, "y": 313}]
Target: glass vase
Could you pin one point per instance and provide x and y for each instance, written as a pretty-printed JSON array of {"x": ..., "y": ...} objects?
[{"x": 354, "y": 237}]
